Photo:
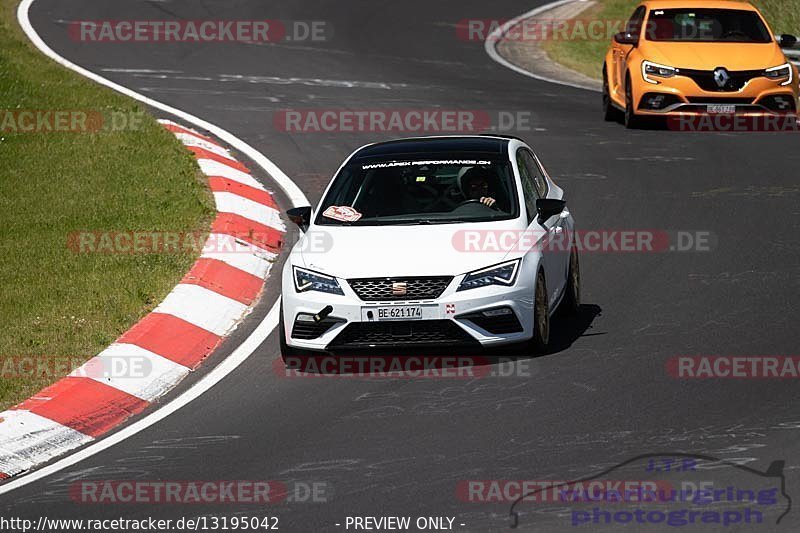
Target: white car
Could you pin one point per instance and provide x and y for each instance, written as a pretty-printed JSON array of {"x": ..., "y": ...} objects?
[{"x": 448, "y": 241}]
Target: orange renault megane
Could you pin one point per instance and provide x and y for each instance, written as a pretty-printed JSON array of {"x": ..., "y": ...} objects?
[{"x": 697, "y": 57}]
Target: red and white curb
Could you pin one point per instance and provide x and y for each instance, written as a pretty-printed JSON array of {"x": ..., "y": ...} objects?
[{"x": 208, "y": 304}]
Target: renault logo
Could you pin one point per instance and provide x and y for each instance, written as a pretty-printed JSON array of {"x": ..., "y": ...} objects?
[
  {"x": 399, "y": 288},
  {"x": 722, "y": 77}
]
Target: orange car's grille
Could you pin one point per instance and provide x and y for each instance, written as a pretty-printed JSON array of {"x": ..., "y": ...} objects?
[{"x": 705, "y": 79}]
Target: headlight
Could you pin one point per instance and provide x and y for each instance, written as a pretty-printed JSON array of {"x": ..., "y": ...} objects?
[
  {"x": 654, "y": 69},
  {"x": 502, "y": 274},
  {"x": 780, "y": 73},
  {"x": 306, "y": 280}
]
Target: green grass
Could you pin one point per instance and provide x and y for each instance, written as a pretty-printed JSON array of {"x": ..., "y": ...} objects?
[
  {"x": 58, "y": 305},
  {"x": 586, "y": 55}
]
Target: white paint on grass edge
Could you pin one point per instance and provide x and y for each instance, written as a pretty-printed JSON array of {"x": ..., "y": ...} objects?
[
  {"x": 296, "y": 196},
  {"x": 490, "y": 45},
  {"x": 243, "y": 351}
]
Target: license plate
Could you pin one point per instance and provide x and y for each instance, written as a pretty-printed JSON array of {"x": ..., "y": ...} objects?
[
  {"x": 398, "y": 312},
  {"x": 718, "y": 109}
]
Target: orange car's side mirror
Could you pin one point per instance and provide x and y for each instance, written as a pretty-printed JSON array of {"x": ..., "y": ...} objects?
[
  {"x": 787, "y": 41},
  {"x": 626, "y": 38}
]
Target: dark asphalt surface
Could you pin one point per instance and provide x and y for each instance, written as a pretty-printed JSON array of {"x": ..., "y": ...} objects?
[{"x": 400, "y": 447}]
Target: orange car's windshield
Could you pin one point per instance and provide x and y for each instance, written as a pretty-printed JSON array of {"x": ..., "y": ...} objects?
[{"x": 706, "y": 25}]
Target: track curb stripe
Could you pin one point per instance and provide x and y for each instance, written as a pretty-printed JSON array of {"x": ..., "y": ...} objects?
[
  {"x": 133, "y": 369},
  {"x": 228, "y": 202},
  {"x": 85, "y": 405},
  {"x": 174, "y": 127},
  {"x": 171, "y": 341},
  {"x": 249, "y": 231},
  {"x": 225, "y": 279},
  {"x": 261, "y": 196},
  {"x": 172, "y": 338},
  {"x": 202, "y": 153}
]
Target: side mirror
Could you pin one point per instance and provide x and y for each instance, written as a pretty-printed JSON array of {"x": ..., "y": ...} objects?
[
  {"x": 787, "y": 41},
  {"x": 300, "y": 216},
  {"x": 547, "y": 207},
  {"x": 625, "y": 37}
]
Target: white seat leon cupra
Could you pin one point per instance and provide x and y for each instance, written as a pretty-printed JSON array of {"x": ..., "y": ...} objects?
[{"x": 457, "y": 241}]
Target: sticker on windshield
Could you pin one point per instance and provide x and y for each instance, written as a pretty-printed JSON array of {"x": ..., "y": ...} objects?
[
  {"x": 344, "y": 213},
  {"x": 393, "y": 164}
]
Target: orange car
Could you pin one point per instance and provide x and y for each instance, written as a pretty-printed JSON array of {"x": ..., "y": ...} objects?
[{"x": 697, "y": 57}]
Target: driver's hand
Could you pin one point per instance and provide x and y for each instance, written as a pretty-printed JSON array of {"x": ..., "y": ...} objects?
[{"x": 488, "y": 201}]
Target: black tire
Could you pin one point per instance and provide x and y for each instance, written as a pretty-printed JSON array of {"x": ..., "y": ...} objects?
[
  {"x": 572, "y": 293},
  {"x": 632, "y": 121},
  {"x": 610, "y": 113},
  {"x": 541, "y": 316}
]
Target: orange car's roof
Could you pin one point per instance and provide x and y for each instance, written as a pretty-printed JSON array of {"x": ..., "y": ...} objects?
[{"x": 698, "y": 4}]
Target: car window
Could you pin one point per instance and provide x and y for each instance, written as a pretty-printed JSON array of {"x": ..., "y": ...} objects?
[
  {"x": 535, "y": 172},
  {"x": 402, "y": 190},
  {"x": 634, "y": 24},
  {"x": 528, "y": 187},
  {"x": 707, "y": 25}
]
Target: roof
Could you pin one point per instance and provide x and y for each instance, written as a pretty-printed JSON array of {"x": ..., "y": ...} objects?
[
  {"x": 698, "y": 4},
  {"x": 430, "y": 146}
]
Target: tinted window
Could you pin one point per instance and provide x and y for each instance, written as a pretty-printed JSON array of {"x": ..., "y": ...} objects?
[
  {"x": 528, "y": 187},
  {"x": 535, "y": 172},
  {"x": 634, "y": 24},
  {"x": 707, "y": 25},
  {"x": 398, "y": 190}
]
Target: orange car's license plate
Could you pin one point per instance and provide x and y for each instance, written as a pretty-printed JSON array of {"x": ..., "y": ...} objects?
[{"x": 719, "y": 109}]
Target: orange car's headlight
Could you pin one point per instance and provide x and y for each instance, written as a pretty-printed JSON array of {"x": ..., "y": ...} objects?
[
  {"x": 781, "y": 72},
  {"x": 650, "y": 70}
]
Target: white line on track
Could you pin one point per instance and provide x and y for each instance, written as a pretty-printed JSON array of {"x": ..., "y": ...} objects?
[
  {"x": 244, "y": 350},
  {"x": 490, "y": 45}
]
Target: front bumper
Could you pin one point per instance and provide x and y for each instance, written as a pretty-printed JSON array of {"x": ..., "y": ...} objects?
[
  {"x": 449, "y": 319},
  {"x": 681, "y": 95}
]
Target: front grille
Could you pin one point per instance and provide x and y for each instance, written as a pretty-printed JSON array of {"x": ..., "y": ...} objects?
[
  {"x": 719, "y": 100},
  {"x": 406, "y": 332},
  {"x": 391, "y": 289},
  {"x": 307, "y": 330},
  {"x": 705, "y": 79}
]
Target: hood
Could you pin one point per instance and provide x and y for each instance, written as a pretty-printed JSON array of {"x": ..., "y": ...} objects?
[
  {"x": 388, "y": 251},
  {"x": 708, "y": 56}
]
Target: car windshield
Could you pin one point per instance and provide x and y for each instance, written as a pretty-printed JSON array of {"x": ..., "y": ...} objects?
[
  {"x": 707, "y": 25},
  {"x": 401, "y": 190}
]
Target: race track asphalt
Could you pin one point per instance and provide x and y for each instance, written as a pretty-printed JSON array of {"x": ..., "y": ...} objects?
[{"x": 401, "y": 446}]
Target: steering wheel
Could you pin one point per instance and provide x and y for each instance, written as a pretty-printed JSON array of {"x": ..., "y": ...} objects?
[{"x": 476, "y": 201}]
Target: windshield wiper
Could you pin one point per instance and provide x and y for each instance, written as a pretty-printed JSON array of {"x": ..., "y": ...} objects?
[{"x": 430, "y": 221}]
